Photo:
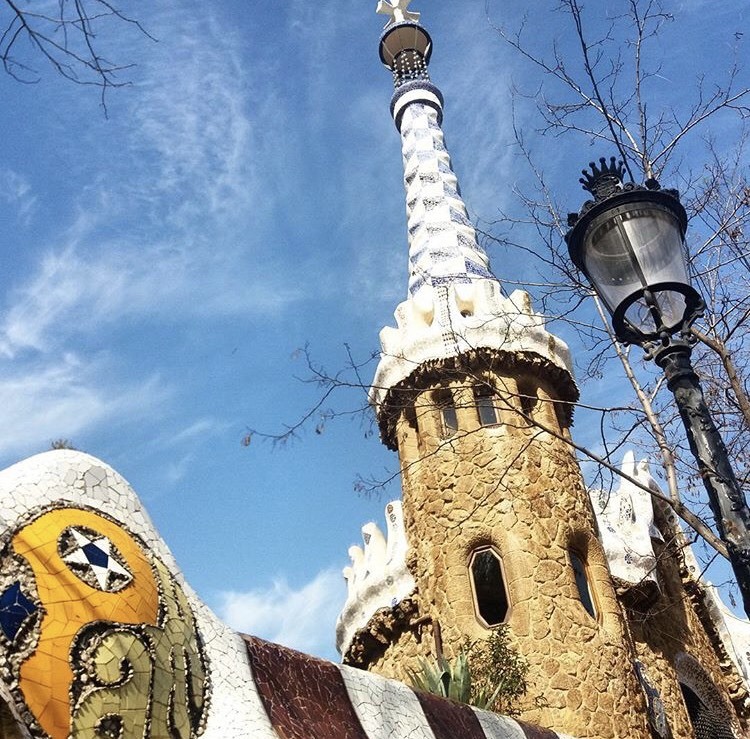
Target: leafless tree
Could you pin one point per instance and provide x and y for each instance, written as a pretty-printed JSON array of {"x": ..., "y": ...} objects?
[{"x": 606, "y": 96}]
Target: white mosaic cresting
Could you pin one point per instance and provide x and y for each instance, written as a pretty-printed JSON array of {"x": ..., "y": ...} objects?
[
  {"x": 626, "y": 524},
  {"x": 474, "y": 316},
  {"x": 378, "y": 576}
]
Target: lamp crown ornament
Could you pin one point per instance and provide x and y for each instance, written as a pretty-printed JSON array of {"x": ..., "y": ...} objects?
[
  {"x": 397, "y": 10},
  {"x": 605, "y": 180}
]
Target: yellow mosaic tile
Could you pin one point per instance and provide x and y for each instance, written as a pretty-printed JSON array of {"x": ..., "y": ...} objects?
[{"x": 70, "y": 604}]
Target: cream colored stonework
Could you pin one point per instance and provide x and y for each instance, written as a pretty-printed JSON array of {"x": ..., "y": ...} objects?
[{"x": 516, "y": 487}]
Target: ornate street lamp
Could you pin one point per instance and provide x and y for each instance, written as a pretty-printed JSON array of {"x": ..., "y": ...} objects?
[{"x": 629, "y": 242}]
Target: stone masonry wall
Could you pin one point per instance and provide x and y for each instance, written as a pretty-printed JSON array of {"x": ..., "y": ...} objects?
[
  {"x": 517, "y": 488},
  {"x": 674, "y": 646}
]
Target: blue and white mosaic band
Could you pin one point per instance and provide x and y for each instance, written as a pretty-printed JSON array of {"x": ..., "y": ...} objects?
[{"x": 443, "y": 246}]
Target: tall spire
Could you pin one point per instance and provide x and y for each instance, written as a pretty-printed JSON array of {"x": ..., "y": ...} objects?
[
  {"x": 454, "y": 301},
  {"x": 443, "y": 247}
]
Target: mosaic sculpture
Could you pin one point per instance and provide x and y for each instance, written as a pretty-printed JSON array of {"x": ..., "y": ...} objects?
[{"x": 627, "y": 530}]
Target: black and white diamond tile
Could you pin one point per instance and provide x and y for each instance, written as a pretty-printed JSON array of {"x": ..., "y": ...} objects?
[
  {"x": 442, "y": 242},
  {"x": 94, "y": 559}
]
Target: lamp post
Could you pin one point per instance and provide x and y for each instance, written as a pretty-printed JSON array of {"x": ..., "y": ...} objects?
[{"x": 629, "y": 242}]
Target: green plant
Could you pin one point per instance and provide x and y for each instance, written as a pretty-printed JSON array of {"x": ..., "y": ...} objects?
[
  {"x": 443, "y": 678},
  {"x": 498, "y": 673},
  {"x": 487, "y": 673}
]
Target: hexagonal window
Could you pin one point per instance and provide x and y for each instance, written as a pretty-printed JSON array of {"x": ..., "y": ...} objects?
[{"x": 488, "y": 587}]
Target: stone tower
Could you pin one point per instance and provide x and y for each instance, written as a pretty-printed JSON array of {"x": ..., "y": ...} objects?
[
  {"x": 476, "y": 397},
  {"x": 599, "y": 592}
]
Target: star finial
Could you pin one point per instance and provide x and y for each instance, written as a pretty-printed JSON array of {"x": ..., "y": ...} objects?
[{"x": 397, "y": 9}]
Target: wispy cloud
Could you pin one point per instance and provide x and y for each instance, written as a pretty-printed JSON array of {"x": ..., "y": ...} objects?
[
  {"x": 303, "y": 618},
  {"x": 159, "y": 234},
  {"x": 191, "y": 134},
  {"x": 199, "y": 429},
  {"x": 63, "y": 398},
  {"x": 484, "y": 143},
  {"x": 73, "y": 292},
  {"x": 16, "y": 191}
]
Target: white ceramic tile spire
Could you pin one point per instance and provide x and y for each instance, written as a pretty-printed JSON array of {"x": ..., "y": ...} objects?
[
  {"x": 454, "y": 302},
  {"x": 443, "y": 248}
]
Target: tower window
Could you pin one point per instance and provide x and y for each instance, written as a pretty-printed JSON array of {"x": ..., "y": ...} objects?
[
  {"x": 488, "y": 586},
  {"x": 528, "y": 396},
  {"x": 410, "y": 414},
  {"x": 486, "y": 399},
  {"x": 582, "y": 582},
  {"x": 448, "y": 416}
]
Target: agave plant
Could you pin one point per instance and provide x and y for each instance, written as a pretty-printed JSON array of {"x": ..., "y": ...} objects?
[
  {"x": 488, "y": 674},
  {"x": 441, "y": 677}
]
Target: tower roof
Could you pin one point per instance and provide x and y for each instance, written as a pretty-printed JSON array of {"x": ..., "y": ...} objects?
[{"x": 455, "y": 304}]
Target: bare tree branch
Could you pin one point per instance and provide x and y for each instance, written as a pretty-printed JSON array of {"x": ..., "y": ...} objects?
[{"x": 68, "y": 41}]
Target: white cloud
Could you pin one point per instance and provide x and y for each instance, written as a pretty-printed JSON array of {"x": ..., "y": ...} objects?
[
  {"x": 62, "y": 399},
  {"x": 190, "y": 132},
  {"x": 200, "y": 429},
  {"x": 302, "y": 618},
  {"x": 73, "y": 293},
  {"x": 182, "y": 176},
  {"x": 16, "y": 190},
  {"x": 70, "y": 293}
]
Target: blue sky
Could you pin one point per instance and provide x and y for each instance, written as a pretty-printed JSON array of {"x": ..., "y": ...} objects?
[{"x": 162, "y": 267}]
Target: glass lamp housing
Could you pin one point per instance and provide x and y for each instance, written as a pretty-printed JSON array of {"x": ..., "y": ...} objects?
[{"x": 630, "y": 246}]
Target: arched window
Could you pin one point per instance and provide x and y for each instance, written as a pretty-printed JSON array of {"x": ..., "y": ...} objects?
[
  {"x": 488, "y": 586},
  {"x": 711, "y": 715},
  {"x": 486, "y": 398},
  {"x": 448, "y": 417},
  {"x": 582, "y": 582}
]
